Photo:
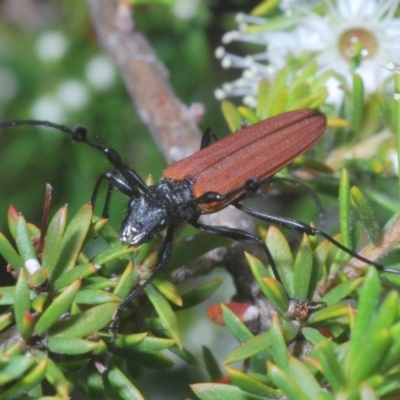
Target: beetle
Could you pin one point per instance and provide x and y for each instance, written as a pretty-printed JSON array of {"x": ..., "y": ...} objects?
[{"x": 220, "y": 174}]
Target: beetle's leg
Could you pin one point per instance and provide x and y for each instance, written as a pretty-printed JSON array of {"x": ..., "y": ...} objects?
[
  {"x": 163, "y": 257},
  {"x": 240, "y": 236},
  {"x": 305, "y": 188},
  {"x": 206, "y": 138},
  {"x": 115, "y": 182},
  {"x": 301, "y": 227}
]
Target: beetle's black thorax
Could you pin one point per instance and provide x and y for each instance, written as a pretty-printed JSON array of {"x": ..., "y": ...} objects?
[{"x": 168, "y": 203}]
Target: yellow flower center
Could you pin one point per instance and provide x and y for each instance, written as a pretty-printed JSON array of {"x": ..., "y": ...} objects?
[{"x": 358, "y": 42}]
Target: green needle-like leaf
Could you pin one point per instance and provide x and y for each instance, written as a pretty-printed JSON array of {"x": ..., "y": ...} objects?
[
  {"x": 85, "y": 323},
  {"x": 218, "y": 391},
  {"x": 72, "y": 241},
  {"x": 54, "y": 235},
  {"x": 9, "y": 253},
  {"x": 58, "y": 307},
  {"x": 122, "y": 384},
  {"x": 302, "y": 270},
  {"x": 239, "y": 330},
  {"x": 24, "y": 240},
  {"x": 165, "y": 312},
  {"x": 231, "y": 115},
  {"x": 22, "y": 298}
]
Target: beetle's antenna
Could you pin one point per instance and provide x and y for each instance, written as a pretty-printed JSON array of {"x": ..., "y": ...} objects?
[{"x": 79, "y": 134}]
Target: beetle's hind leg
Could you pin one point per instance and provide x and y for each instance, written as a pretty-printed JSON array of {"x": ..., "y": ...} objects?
[
  {"x": 301, "y": 227},
  {"x": 239, "y": 236}
]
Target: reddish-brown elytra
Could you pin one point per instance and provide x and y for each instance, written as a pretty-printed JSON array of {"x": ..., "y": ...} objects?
[
  {"x": 257, "y": 152},
  {"x": 216, "y": 176}
]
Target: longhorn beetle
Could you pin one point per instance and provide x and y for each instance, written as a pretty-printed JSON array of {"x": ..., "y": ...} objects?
[{"x": 218, "y": 175}]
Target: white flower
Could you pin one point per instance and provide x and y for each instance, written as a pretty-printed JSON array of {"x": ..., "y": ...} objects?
[
  {"x": 186, "y": 9},
  {"x": 52, "y": 45},
  {"x": 364, "y": 28},
  {"x": 100, "y": 73},
  {"x": 73, "y": 94}
]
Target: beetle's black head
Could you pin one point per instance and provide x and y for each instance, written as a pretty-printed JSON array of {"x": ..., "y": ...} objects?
[{"x": 144, "y": 220}]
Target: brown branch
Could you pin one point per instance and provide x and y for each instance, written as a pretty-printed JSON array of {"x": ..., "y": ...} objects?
[{"x": 146, "y": 79}]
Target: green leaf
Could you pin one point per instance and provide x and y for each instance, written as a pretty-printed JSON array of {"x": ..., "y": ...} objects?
[
  {"x": 341, "y": 291},
  {"x": 169, "y": 290},
  {"x": 57, "y": 379},
  {"x": 72, "y": 241},
  {"x": 85, "y": 323},
  {"x": 112, "y": 253},
  {"x": 248, "y": 114},
  {"x": 218, "y": 391},
  {"x": 302, "y": 270},
  {"x": 271, "y": 288},
  {"x": 286, "y": 383},
  {"x": 14, "y": 367},
  {"x": 262, "y": 99},
  {"x": 186, "y": 356},
  {"x": 80, "y": 271},
  {"x": 239, "y": 330},
  {"x": 357, "y": 103},
  {"x": 365, "y": 213},
  {"x": 331, "y": 367},
  {"x": 75, "y": 346},
  {"x": 24, "y": 240},
  {"x": 369, "y": 297},
  {"x": 276, "y": 294},
  {"x": 374, "y": 352},
  {"x": 231, "y": 115},
  {"x": 344, "y": 203},
  {"x": 28, "y": 325},
  {"x": 165, "y": 312},
  {"x": 280, "y": 104},
  {"x": 304, "y": 378},
  {"x": 129, "y": 340},
  {"x": 95, "y": 296},
  {"x": 156, "y": 361},
  {"x": 122, "y": 385},
  {"x": 251, "y": 385},
  {"x": 277, "y": 85},
  {"x": 330, "y": 312},
  {"x": 256, "y": 345},
  {"x": 22, "y": 298},
  {"x": 29, "y": 381},
  {"x": 95, "y": 384},
  {"x": 5, "y": 320},
  {"x": 152, "y": 344},
  {"x": 54, "y": 235},
  {"x": 9, "y": 253},
  {"x": 308, "y": 71},
  {"x": 7, "y": 295},
  {"x": 199, "y": 294},
  {"x": 212, "y": 365},
  {"x": 378, "y": 339},
  {"x": 265, "y": 7},
  {"x": 278, "y": 345},
  {"x": 313, "y": 335},
  {"x": 126, "y": 282},
  {"x": 58, "y": 307},
  {"x": 282, "y": 256}
]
